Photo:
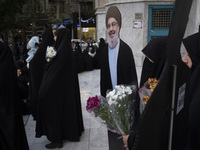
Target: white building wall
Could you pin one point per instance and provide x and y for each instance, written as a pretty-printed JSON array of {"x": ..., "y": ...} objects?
[
  {"x": 100, "y": 26},
  {"x": 137, "y": 38},
  {"x": 133, "y": 37},
  {"x": 193, "y": 22},
  {"x": 194, "y": 19}
]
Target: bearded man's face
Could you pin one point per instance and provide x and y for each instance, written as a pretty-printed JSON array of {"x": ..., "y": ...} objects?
[{"x": 113, "y": 32}]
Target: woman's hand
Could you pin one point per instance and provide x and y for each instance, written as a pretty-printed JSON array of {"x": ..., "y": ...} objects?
[
  {"x": 187, "y": 60},
  {"x": 125, "y": 140}
]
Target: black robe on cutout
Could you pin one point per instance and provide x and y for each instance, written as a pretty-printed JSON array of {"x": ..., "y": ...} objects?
[
  {"x": 12, "y": 133},
  {"x": 126, "y": 74},
  {"x": 59, "y": 106},
  {"x": 37, "y": 65}
]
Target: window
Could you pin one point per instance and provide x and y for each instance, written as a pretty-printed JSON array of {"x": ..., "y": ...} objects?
[{"x": 159, "y": 20}]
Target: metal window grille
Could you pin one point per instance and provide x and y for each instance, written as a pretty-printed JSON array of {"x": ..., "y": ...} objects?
[{"x": 161, "y": 18}]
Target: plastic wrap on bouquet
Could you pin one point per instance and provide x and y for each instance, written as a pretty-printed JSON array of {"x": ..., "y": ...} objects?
[
  {"x": 121, "y": 101},
  {"x": 98, "y": 107},
  {"x": 146, "y": 91},
  {"x": 116, "y": 110}
]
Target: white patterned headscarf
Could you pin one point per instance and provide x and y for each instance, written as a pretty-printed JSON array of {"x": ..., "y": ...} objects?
[{"x": 34, "y": 48}]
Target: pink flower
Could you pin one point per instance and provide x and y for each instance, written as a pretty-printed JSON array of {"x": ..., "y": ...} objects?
[{"x": 92, "y": 103}]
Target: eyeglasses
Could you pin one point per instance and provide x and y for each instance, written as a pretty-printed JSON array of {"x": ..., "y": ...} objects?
[{"x": 113, "y": 25}]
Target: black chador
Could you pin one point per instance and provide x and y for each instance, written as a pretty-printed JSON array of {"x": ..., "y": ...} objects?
[
  {"x": 155, "y": 56},
  {"x": 59, "y": 106},
  {"x": 192, "y": 45},
  {"x": 37, "y": 65},
  {"x": 12, "y": 133}
]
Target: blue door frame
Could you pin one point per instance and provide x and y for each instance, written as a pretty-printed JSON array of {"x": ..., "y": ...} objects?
[{"x": 157, "y": 32}]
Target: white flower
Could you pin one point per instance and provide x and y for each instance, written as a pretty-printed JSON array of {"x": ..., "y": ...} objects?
[
  {"x": 123, "y": 89},
  {"x": 50, "y": 53},
  {"x": 27, "y": 65},
  {"x": 123, "y": 95},
  {"x": 110, "y": 99},
  {"x": 91, "y": 54},
  {"x": 111, "y": 102},
  {"x": 115, "y": 97},
  {"x": 120, "y": 97},
  {"x": 117, "y": 87},
  {"x": 119, "y": 92},
  {"x": 128, "y": 90},
  {"x": 110, "y": 94}
]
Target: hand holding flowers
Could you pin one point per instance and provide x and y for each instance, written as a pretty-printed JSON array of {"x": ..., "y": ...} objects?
[
  {"x": 98, "y": 107},
  {"x": 115, "y": 110},
  {"x": 50, "y": 53},
  {"x": 90, "y": 53},
  {"x": 120, "y": 100},
  {"x": 146, "y": 91}
]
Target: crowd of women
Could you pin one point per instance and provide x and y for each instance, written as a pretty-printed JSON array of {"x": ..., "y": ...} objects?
[
  {"x": 88, "y": 59},
  {"x": 53, "y": 87}
]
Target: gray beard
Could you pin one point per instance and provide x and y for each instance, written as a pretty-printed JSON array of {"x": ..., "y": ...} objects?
[{"x": 112, "y": 43}]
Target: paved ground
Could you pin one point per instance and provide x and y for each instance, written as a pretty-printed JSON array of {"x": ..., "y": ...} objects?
[{"x": 95, "y": 135}]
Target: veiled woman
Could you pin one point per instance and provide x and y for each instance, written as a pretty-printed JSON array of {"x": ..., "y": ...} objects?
[
  {"x": 59, "y": 107},
  {"x": 88, "y": 60},
  {"x": 155, "y": 56},
  {"x": 12, "y": 133},
  {"x": 79, "y": 58},
  {"x": 192, "y": 45},
  {"x": 36, "y": 66},
  {"x": 97, "y": 56}
]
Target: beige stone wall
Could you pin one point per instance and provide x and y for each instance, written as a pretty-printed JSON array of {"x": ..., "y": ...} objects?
[
  {"x": 193, "y": 22},
  {"x": 137, "y": 38}
]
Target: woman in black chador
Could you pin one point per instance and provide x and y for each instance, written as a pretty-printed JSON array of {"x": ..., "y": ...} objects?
[
  {"x": 12, "y": 133},
  {"x": 192, "y": 45},
  {"x": 59, "y": 106},
  {"x": 36, "y": 66},
  {"x": 97, "y": 56},
  {"x": 88, "y": 59},
  {"x": 79, "y": 58},
  {"x": 155, "y": 56}
]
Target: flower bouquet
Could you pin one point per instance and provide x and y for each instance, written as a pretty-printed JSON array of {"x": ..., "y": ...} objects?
[
  {"x": 114, "y": 110},
  {"x": 146, "y": 91},
  {"x": 50, "y": 53},
  {"x": 90, "y": 53},
  {"x": 120, "y": 101},
  {"x": 98, "y": 107}
]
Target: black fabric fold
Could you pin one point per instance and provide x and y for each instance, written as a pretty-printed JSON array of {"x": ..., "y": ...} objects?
[{"x": 12, "y": 132}]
